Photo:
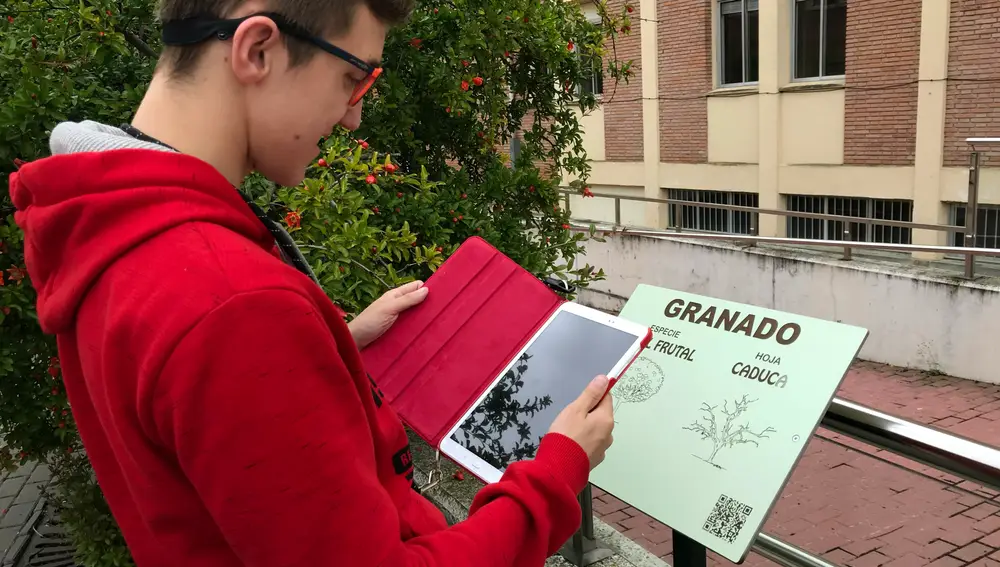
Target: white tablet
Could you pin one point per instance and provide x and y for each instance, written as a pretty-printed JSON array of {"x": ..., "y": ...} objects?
[{"x": 507, "y": 422}]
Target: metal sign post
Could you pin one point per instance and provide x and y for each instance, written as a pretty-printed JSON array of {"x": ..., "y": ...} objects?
[
  {"x": 972, "y": 201},
  {"x": 688, "y": 552},
  {"x": 583, "y": 549}
]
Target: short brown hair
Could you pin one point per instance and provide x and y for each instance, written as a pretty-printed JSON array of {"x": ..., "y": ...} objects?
[{"x": 319, "y": 17}]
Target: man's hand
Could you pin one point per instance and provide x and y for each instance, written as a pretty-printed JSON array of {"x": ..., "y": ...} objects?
[
  {"x": 586, "y": 424},
  {"x": 374, "y": 321}
]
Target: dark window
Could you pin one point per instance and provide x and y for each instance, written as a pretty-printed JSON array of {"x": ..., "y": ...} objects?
[
  {"x": 593, "y": 74},
  {"x": 700, "y": 215},
  {"x": 987, "y": 226},
  {"x": 738, "y": 23},
  {"x": 873, "y": 209},
  {"x": 820, "y": 38}
]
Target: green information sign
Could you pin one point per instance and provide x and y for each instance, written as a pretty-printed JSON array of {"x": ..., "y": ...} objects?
[{"x": 713, "y": 416}]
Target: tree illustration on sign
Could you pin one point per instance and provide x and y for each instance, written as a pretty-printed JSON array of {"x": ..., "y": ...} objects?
[
  {"x": 639, "y": 383},
  {"x": 726, "y": 434}
]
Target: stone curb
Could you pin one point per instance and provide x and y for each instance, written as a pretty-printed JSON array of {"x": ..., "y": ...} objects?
[{"x": 454, "y": 497}]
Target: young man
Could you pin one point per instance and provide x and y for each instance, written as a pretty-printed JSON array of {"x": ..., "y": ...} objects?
[{"x": 219, "y": 394}]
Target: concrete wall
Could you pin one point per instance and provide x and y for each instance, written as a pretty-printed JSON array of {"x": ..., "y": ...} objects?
[{"x": 915, "y": 320}]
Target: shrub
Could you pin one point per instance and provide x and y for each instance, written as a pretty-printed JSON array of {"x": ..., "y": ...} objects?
[{"x": 382, "y": 207}]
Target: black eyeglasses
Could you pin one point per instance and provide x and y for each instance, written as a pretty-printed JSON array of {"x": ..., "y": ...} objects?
[{"x": 196, "y": 30}]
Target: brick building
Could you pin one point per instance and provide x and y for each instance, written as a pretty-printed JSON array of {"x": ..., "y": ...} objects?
[{"x": 849, "y": 107}]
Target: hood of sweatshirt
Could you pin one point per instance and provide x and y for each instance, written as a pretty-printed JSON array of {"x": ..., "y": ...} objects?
[{"x": 103, "y": 193}]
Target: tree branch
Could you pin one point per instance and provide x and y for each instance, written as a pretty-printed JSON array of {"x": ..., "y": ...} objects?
[{"x": 137, "y": 43}]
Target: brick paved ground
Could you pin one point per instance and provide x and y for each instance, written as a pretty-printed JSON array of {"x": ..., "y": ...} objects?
[
  {"x": 864, "y": 508},
  {"x": 20, "y": 497}
]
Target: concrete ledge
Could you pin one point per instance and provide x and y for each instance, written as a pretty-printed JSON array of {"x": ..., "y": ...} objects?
[{"x": 454, "y": 497}]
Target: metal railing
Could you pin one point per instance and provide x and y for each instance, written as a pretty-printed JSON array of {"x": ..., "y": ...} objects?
[
  {"x": 970, "y": 252},
  {"x": 949, "y": 453}
]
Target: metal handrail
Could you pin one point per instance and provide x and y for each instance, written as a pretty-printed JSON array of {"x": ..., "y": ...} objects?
[
  {"x": 969, "y": 230},
  {"x": 847, "y": 243},
  {"x": 953, "y": 454},
  {"x": 786, "y": 554},
  {"x": 777, "y": 212},
  {"x": 578, "y": 225}
]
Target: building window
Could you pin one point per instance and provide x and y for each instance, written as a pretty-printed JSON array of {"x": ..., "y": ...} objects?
[
  {"x": 873, "y": 209},
  {"x": 820, "y": 38},
  {"x": 704, "y": 217},
  {"x": 592, "y": 68},
  {"x": 591, "y": 65},
  {"x": 737, "y": 42},
  {"x": 987, "y": 226}
]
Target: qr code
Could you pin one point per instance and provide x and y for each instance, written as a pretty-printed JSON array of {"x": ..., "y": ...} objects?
[{"x": 727, "y": 518}]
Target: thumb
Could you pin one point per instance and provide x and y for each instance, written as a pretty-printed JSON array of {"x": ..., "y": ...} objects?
[{"x": 592, "y": 394}]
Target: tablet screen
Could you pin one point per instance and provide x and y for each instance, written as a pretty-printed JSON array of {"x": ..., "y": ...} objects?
[{"x": 509, "y": 423}]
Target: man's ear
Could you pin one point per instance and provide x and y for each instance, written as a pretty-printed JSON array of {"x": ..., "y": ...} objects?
[{"x": 255, "y": 45}]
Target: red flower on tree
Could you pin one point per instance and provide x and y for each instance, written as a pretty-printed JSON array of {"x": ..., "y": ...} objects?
[
  {"x": 465, "y": 85},
  {"x": 293, "y": 219},
  {"x": 478, "y": 81}
]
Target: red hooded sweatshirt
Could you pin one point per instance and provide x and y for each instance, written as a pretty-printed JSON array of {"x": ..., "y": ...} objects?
[{"x": 219, "y": 393}]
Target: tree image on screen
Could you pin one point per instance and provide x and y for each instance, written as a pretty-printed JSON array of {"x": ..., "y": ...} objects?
[
  {"x": 723, "y": 431},
  {"x": 497, "y": 431},
  {"x": 640, "y": 383}
]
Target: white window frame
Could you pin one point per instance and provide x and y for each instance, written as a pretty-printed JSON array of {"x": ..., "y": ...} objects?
[
  {"x": 594, "y": 18},
  {"x": 827, "y": 227},
  {"x": 720, "y": 43},
  {"x": 822, "y": 45}
]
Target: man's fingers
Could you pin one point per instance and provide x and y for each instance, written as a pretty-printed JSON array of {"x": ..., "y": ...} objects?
[
  {"x": 593, "y": 392},
  {"x": 408, "y": 288},
  {"x": 606, "y": 406},
  {"x": 408, "y": 299}
]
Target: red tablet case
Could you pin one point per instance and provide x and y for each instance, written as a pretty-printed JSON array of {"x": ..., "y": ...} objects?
[
  {"x": 481, "y": 308},
  {"x": 439, "y": 357}
]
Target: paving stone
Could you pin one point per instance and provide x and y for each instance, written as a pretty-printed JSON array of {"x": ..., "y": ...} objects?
[
  {"x": 23, "y": 471},
  {"x": 871, "y": 559},
  {"x": 41, "y": 473},
  {"x": 17, "y": 515},
  {"x": 12, "y": 486},
  {"x": 946, "y": 561},
  {"x": 981, "y": 511},
  {"x": 7, "y": 536},
  {"x": 30, "y": 493},
  {"x": 972, "y": 551}
]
